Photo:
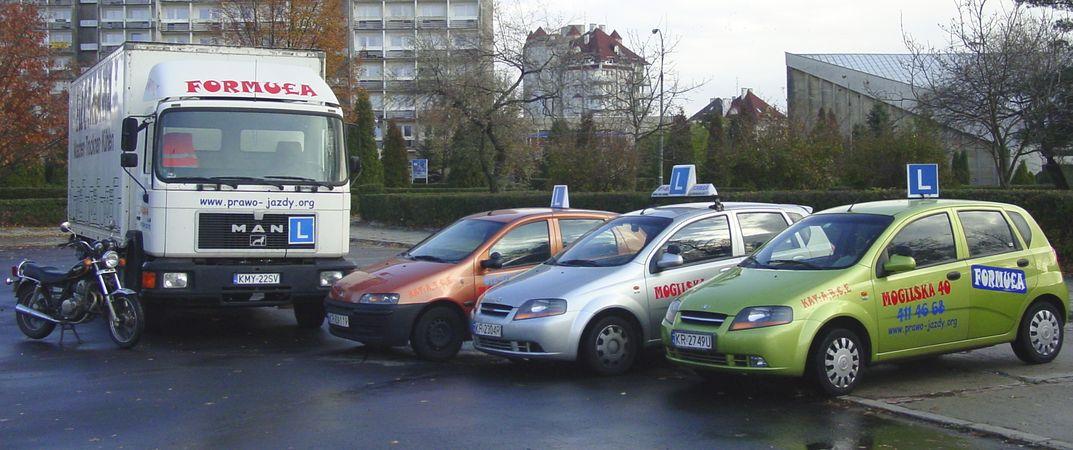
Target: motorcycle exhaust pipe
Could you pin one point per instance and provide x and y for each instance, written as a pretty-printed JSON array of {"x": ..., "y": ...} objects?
[{"x": 33, "y": 312}]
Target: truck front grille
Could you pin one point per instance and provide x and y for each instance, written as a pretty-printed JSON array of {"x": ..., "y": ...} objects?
[{"x": 243, "y": 231}]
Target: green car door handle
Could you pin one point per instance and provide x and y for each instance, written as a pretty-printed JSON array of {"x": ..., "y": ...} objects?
[
  {"x": 953, "y": 276},
  {"x": 1023, "y": 262}
]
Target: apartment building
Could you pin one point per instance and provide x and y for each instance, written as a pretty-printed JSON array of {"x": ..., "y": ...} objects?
[{"x": 385, "y": 34}]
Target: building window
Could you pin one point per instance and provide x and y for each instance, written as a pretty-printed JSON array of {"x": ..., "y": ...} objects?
[
  {"x": 367, "y": 11},
  {"x": 400, "y": 10},
  {"x": 112, "y": 14},
  {"x": 371, "y": 71},
  {"x": 177, "y": 13},
  {"x": 179, "y": 39},
  {"x": 207, "y": 40},
  {"x": 433, "y": 10},
  {"x": 138, "y": 13},
  {"x": 460, "y": 10},
  {"x": 208, "y": 13},
  {"x": 112, "y": 38},
  {"x": 138, "y": 36},
  {"x": 368, "y": 41},
  {"x": 402, "y": 42}
]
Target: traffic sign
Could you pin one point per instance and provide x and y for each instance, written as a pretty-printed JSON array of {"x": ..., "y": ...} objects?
[
  {"x": 560, "y": 196},
  {"x": 922, "y": 180},
  {"x": 419, "y": 169}
]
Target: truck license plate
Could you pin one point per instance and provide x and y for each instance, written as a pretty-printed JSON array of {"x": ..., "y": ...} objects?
[
  {"x": 692, "y": 341},
  {"x": 247, "y": 279},
  {"x": 488, "y": 329},
  {"x": 339, "y": 320}
]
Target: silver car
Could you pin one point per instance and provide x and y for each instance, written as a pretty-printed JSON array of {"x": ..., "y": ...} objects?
[{"x": 602, "y": 299}]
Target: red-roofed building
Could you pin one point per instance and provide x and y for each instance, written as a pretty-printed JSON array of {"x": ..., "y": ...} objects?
[{"x": 582, "y": 71}]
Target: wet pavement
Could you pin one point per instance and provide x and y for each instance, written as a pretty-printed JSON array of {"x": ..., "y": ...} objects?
[{"x": 251, "y": 379}]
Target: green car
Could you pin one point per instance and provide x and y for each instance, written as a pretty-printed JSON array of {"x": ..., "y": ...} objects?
[{"x": 876, "y": 282}]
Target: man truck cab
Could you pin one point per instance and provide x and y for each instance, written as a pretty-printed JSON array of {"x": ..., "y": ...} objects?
[{"x": 222, "y": 170}]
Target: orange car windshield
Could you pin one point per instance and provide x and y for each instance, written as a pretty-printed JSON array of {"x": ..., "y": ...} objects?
[{"x": 455, "y": 242}]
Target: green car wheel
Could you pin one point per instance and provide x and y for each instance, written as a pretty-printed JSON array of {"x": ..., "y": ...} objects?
[{"x": 837, "y": 362}]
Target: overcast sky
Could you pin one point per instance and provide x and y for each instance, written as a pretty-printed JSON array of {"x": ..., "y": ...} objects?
[{"x": 734, "y": 44}]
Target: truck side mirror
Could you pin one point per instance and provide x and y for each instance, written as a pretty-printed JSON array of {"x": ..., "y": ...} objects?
[
  {"x": 494, "y": 261},
  {"x": 355, "y": 167},
  {"x": 128, "y": 159},
  {"x": 128, "y": 139}
]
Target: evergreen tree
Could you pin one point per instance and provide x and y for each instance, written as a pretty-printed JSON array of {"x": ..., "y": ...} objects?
[
  {"x": 678, "y": 144},
  {"x": 960, "y": 167},
  {"x": 396, "y": 163},
  {"x": 464, "y": 162},
  {"x": 1022, "y": 176},
  {"x": 878, "y": 120},
  {"x": 714, "y": 150},
  {"x": 361, "y": 141}
]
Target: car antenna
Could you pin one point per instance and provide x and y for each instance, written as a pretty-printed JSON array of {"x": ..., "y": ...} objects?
[{"x": 717, "y": 204}]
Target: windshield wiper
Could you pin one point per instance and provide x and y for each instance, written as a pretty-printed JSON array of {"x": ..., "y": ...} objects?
[
  {"x": 579, "y": 263},
  {"x": 304, "y": 181},
  {"x": 427, "y": 258},
  {"x": 227, "y": 181},
  {"x": 793, "y": 261}
]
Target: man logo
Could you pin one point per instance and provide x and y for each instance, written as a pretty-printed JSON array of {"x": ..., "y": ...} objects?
[
  {"x": 258, "y": 240},
  {"x": 257, "y": 228}
]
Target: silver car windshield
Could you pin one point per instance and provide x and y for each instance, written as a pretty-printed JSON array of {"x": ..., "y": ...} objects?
[
  {"x": 205, "y": 146},
  {"x": 615, "y": 243},
  {"x": 456, "y": 241},
  {"x": 821, "y": 242}
]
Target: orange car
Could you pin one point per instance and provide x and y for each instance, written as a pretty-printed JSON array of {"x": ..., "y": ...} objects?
[{"x": 424, "y": 296}]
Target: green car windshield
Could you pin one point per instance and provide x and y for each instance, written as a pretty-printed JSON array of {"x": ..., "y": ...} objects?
[{"x": 821, "y": 242}]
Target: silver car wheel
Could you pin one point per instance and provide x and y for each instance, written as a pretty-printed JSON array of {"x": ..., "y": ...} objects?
[
  {"x": 842, "y": 362},
  {"x": 1044, "y": 332},
  {"x": 612, "y": 345}
]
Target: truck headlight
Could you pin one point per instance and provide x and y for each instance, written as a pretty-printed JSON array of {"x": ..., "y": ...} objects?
[
  {"x": 110, "y": 259},
  {"x": 329, "y": 277},
  {"x": 541, "y": 307},
  {"x": 174, "y": 280},
  {"x": 762, "y": 316},
  {"x": 379, "y": 299},
  {"x": 672, "y": 310}
]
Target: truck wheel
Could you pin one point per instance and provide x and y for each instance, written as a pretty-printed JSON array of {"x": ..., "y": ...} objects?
[
  {"x": 309, "y": 315},
  {"x": 33, "y": 327},
  {"x": 836, "y": 362},
  {"x": 438, "y": 334},
  {"x": 610, "y": 346},
  {"x": 1040, "y": 337}
]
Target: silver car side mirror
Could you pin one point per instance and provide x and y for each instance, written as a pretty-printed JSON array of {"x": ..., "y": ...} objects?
[{"x": 669, "y": 260}]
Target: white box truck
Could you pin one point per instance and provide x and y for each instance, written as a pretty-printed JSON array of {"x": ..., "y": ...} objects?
[{"x": 221, "y": 170}]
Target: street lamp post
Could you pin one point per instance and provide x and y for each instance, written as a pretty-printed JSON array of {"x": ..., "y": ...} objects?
[{"x": 661, "y": 51}]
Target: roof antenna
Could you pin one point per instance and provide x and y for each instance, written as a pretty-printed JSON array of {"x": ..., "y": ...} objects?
[{"x": 717, "y": 204}]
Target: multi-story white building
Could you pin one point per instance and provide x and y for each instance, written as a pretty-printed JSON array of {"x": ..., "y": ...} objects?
[
  {"x": 587, "y": 72},
  {"x": 385, "y": 34}
]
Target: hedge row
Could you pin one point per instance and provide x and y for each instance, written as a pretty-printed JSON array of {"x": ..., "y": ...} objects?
[
  {"x": 1052, "y": 209},
  {"x": 33, "y": 212},
  {"x": 7, "y": 193}
]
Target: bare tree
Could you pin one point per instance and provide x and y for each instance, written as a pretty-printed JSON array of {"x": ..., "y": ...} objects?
[
  {"x": 991, "y": 80},
  {"x": 481, "y": 80}
]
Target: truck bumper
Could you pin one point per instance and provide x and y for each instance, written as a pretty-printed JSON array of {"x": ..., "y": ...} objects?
[
  {"x": 212, "y": 284},
  {"x": 388, "y": 325}
]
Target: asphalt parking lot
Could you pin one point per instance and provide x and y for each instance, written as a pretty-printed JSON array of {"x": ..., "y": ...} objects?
[{"x": 251, "y": 379}]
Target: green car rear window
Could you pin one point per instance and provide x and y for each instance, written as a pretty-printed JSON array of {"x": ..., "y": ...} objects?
[{"x": 1022, "y": 226}]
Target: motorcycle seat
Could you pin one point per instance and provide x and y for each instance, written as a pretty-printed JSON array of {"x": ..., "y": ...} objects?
[{"x": 44, "y": 274}]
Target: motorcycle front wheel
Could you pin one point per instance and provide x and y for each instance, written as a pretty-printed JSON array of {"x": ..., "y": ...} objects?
[{"x": 128, "y": 321}]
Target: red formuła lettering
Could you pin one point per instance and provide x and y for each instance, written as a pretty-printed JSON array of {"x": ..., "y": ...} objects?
[{"x": 246, "y": 87}]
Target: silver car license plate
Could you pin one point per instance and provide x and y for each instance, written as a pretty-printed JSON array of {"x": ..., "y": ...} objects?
[
  {"x": 247, "y": 279},
  {"x": 339, "y": 320},
  {"x": 691, "y": 341},
  {"x": 488, "y": 329}
]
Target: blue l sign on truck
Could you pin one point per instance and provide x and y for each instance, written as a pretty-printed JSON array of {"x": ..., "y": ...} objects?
[
  {"x": 301, "y": 230},
  {"x": 923, "y": 180}
]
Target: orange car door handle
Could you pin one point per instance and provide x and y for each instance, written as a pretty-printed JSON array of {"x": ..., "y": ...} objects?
[
  {"x": 952, "y": 276},
  {"x": 1022, "y": 262}
]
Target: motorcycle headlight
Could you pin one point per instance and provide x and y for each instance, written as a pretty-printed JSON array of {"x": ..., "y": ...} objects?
[
  {"x": 110, "y": 259},
  {"x": 672, "y": 310},
  {"x": 379, "y": 299},
  {"x": 762, "y": 316},
  {"x": 541, "y": 307}
]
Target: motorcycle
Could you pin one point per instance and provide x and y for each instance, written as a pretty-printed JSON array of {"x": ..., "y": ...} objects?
[{"x": 47, "y": 296}]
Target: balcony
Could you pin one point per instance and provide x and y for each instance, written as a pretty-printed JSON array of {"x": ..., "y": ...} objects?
[
  {"x": 60, "y": 46},
  {"x": 139, "y": 24},
  {"x": 401, "y": 86},
  {"x": 206, "y": 26},
  {"x": 88, "y": 47},
  {"x": 432, "y": 23},
  {"x": 112, "y": 24},
  {"x": 399, "y": 54},
  {"x": 178, "y": 26},
  {"x": 464, "y": 23},
  {"x": 371, "y": 54},
  {"x": 137, "y": 2},
  {"x": 111, "y": 2},
  {"x": 371, "y": 85},
  {"x": 401, "y": 114},
  {"x": 59, "y": 24},
  {"x": 61, "y": 2},
  {"x": 369, "y": 24},
  {"x": 400, "y": 23}
]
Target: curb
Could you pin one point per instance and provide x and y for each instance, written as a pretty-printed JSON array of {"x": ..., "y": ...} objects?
[{"x": 983, "y": 428}]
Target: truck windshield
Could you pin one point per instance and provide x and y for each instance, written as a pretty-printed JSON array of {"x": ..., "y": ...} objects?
[
  {"x": 455, "y": 242},
  {"x": 615, "y": 243},
  {"x": 821, "y": 242},
  {"x": 200, "y": 145}
]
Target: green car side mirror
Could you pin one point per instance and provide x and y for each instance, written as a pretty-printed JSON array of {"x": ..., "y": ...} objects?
[{"x": 899, "y": 263}]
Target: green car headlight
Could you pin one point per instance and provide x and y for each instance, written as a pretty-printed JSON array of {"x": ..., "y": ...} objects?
[
  {"x": 672, "y": 310},
  {"x": 762, "y": 316},
  {"x": 541, "y": 307}
]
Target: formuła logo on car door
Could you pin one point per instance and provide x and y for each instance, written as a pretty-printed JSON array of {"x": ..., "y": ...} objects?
[{"x": 999, "y": 279}]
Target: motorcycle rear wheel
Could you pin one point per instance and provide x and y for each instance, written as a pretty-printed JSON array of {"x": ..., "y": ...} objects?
[
  {"x": 129, "y": 322},
  {"x": 31, "y": 326}
]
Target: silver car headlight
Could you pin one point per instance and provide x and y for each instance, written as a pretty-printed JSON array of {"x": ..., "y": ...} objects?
[
  {"x": 379, "y": 299},
  {"x": 110, "y": 259},
  {"x": 672, "y": 310},
  {"x": 541, "y": 307}
]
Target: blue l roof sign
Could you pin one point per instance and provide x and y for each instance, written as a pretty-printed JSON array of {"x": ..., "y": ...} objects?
[
  {"x": 683, "y": 177},
  {"x": 560, "y": 196},
  {"x": 923, "y": 180}
]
